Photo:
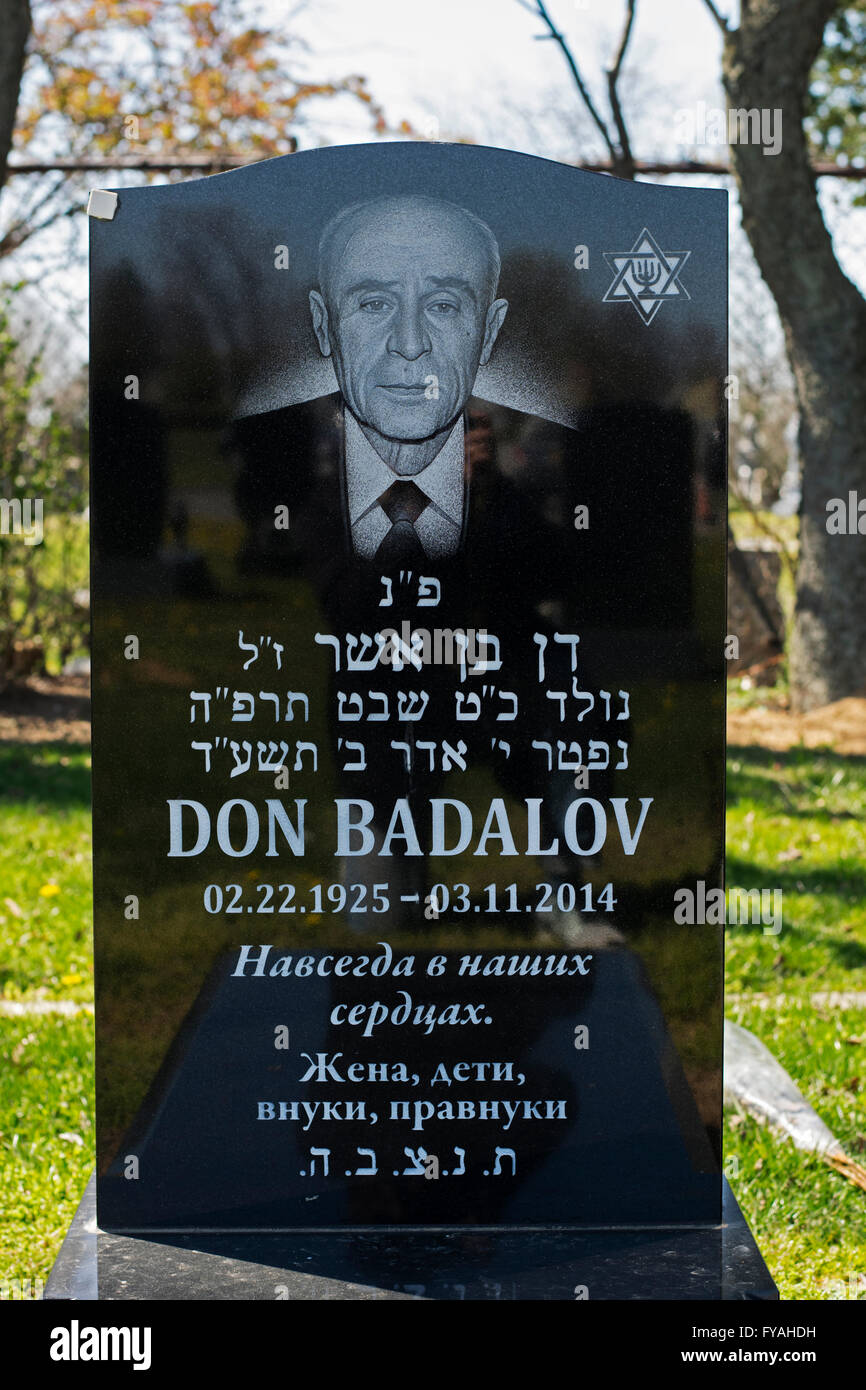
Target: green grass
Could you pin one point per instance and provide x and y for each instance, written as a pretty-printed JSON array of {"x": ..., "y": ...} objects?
[
  {"x": 795, "y": 822},
  {"x": 46, "y": 1138},
  {"x": 45, "y": 884},
  {"x": 46, "y": 1066},
  {"x": 810, "y": 1221}
]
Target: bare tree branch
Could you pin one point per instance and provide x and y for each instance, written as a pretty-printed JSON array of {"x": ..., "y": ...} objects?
[
  {"x": 612, "y": 79},
  {"x": 149, "y": 164},
  {"x": 718, "y": 17},
  {"x": 206, "y": 164},
  {"x": 16, "y": 235},
  {"x": 25, "y": 224},
  {"x": 542, "y": 12},
  {"x": 43, "y": 194},
  {"x": 623, "y": 43},
  {"x": 621, "y": 158}
]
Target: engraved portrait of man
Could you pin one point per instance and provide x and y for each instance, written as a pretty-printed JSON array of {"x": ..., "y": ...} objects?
[
  {"x": 400, "y": 467},
  {"x": 407, "y": 311}
]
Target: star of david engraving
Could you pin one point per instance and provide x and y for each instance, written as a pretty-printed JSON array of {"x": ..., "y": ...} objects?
[{"x": 645, "y": 276}]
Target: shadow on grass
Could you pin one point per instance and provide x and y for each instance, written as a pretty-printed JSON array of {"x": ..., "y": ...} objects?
[
  {"x": 846, "y": 888},
  {"x": 53, "y": 775},
  {"x": 755, "y": 774},
  {"x": 830, "y": 879}
]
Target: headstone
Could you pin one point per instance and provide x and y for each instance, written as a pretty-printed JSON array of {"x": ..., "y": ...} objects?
[
  {"x": 755, "y": 614},
  {"x": 409, "y": 619}
]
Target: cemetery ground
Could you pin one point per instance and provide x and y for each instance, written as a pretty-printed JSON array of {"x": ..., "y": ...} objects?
[{"x": 795, "y": 822}]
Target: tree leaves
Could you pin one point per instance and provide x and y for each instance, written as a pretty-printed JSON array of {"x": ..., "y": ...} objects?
[
  {"x": 196, "y": 76},
  {"x": 836, "y": 108}
]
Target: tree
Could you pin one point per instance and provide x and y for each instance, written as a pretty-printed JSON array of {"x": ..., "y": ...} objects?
[
  {"x": 613, "y": 129},
  {"x": 140, "y": 77},
  {"x": 43, "y": 469},
  {"x": 13, "y": 40},
  {"x": 836, "y": 105},
  {"x": 806, "y": 58},
  {"x": 767, "y": 63}
]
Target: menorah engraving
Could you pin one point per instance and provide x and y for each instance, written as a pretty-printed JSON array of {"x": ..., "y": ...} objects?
[{"x": 647, "y": 272}]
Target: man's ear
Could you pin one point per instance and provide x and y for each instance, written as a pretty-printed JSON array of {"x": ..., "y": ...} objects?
[
  {"x": 319, "y": 311},
  {"x": 495, "y": 315}
]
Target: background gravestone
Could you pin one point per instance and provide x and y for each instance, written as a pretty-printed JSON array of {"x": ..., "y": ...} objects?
[{"x": 384, "y": 915}]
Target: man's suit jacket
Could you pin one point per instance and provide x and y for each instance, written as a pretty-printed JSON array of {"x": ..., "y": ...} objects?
[
  {"x": 294, "y": 457},
  {"x": 633, "y": 468}
]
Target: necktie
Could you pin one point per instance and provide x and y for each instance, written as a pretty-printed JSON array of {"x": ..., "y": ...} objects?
[{"x": 403, "y": 503}]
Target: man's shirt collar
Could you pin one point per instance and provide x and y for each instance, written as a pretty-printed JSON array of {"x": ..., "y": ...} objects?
[{"x": 368, "y": 476}]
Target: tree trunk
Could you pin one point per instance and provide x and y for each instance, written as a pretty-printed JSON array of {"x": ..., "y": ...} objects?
[
  {"x": 14, "y": 33},
  {"x": 767, "y": 63}
]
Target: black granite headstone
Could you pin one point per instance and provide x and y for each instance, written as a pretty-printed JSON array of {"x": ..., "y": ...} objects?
[{"x": 409, "y": 597}]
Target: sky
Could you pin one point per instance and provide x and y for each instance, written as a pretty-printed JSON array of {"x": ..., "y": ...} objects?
[{"x": 478, "y": 67}]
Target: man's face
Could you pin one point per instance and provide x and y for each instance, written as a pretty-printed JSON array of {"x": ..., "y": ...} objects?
[{"x": 407, "y": 319}]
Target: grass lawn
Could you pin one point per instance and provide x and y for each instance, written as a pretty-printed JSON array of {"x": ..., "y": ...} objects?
[
  {"x": 46, "y": 1066},
  {"x": 795, "y": 822}
]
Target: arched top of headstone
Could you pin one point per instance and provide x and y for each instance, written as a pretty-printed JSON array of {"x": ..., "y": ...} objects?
[{"x": 241, "y": 248}]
